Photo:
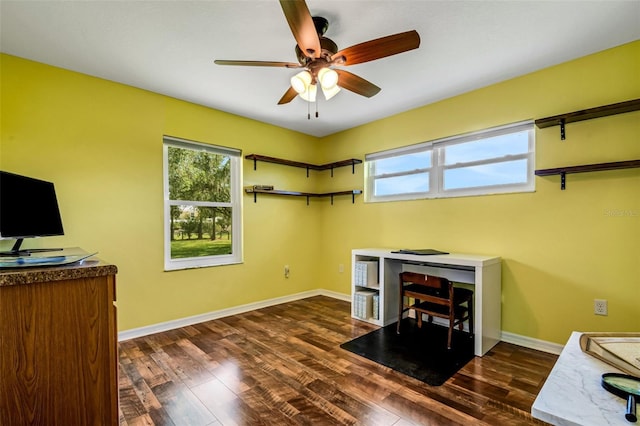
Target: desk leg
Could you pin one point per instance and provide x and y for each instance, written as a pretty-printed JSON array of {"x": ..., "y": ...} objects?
[{"x": 487, "y": 307}]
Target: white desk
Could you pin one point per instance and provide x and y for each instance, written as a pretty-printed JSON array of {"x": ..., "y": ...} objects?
[
  {"x": 573, "y": 395},
  {"x": 484, "y": 272}
]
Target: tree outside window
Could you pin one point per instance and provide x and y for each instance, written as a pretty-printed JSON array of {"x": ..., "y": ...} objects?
[{"x": 201, "y": 199}]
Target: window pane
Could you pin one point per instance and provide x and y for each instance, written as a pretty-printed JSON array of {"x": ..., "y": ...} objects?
[
  {"x": 197, "y": 175},
  {"x": 496, "y": 160},
  {"x": 200, "y": 231},
  {"x": 486, "y": 175},
  {"x": 406, "y": 184},
  {"x": 403, "y": 163},
  {"x": 495, "y": 147}
]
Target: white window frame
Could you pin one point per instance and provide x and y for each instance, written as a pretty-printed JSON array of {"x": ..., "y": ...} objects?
[
  {"x": 235, "y": 204},
  {"x": 437, "y": 168}
]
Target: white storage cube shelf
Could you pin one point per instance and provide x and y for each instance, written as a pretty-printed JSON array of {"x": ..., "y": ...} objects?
[{"x": 366, "y": 290}]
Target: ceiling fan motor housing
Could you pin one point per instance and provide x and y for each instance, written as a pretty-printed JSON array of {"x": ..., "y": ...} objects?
[{"x": 329, "y": 48}]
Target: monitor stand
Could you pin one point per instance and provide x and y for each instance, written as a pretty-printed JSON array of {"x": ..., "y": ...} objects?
[{"x": 15, "y": 250}]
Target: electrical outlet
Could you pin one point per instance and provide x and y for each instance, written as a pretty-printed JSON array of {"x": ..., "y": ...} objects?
[
  {"x": 341, "y": 268},
  {"x": 600, "y": 307},
  {"x": 286, "y": 271}
]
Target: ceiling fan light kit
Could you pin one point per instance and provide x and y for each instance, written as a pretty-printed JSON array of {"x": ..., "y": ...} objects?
[
  {"x": 306, "y": 85},
  {"x": 318, "y": 54}
]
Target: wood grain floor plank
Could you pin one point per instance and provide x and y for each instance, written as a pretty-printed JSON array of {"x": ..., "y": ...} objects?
[
  {"x": 283, "y": 365},
  {"x": 131, "y": 406},
  {"x": 224, "y": 404},
  {"x": 182, "y": 406}
]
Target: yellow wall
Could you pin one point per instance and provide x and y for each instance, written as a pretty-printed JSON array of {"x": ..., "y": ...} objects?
[
  {"x": 101, "y": 143},
  {"x": 560, "y": 249}
]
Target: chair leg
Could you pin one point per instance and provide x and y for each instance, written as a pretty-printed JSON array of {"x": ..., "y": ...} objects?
[
  {"x": 470, "y": 309},
  {"x": 400, "y": 310},
  {"x": 449, "y": 332}
]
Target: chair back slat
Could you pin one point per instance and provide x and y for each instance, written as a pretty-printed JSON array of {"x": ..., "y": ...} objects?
[{"x": 443, "y": 285}]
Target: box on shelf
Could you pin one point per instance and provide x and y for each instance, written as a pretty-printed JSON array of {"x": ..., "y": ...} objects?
[
  {"x": 376, "y": 307},
  {"x": 363, "y": 305},
  {"x": 366, "y": 273}
]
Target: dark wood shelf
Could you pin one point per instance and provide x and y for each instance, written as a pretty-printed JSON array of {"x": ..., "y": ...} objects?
[
  {"x": 563, "y": 171},
  {"x": 587, "y": 114},
  {"x": 308, "y": 166},
  {"x": 308, "y": 195}
]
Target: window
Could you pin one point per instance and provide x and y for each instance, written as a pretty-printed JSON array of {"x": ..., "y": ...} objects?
[
  {"x": 202, "y": 212},
  {"x": 491, "y": 161}
]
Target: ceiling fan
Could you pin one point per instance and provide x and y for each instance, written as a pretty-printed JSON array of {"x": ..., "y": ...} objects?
[{"x": 318, "y": 55}]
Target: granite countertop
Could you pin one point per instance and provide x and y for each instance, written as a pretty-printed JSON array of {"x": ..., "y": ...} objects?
[{"x": 88, "y": 268}]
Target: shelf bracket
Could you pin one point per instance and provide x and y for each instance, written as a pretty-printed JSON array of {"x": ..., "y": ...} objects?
[
  {"x": 563, "y": 181},
  {"x": 353, "y": 167},
  {"x": 331, "y": 171},
  {"x": 307, "y": 172},
  {"x": 255, "y": 164},
  {"x": 307, "y": 200},
  {"x": 255, "y": 197},
  {"x": 353, "y": 198},
  {"x": 563, "y": 135}
]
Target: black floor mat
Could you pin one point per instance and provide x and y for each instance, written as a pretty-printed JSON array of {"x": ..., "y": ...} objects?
[{"x": 418, "y": 352}]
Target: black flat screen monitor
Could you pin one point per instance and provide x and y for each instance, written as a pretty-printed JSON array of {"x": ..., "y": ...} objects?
[{"x": 28, "y": 209}]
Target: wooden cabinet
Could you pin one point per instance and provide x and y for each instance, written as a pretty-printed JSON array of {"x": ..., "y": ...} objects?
[{"x": 58, "y": 343}]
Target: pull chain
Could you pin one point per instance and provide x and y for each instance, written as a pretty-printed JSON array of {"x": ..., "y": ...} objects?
[{"x": 309, "y": 110}]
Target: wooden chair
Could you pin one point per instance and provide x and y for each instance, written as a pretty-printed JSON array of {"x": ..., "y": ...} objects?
[{"x": 435, "y": 297}]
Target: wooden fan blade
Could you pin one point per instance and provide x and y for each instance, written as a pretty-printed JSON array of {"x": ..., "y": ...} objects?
[
  {"x": 378, "y": 48},
  {"x": 258, "y": 63},
  {"x": 302, "y": 27},
  {"x": 288, "y": 96},
  {"x": 356, "y": 84}
]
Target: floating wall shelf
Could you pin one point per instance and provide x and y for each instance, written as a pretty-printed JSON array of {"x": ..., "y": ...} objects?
[
  {"x": 330, "y": 166},
  {"x": 563, "y": 171},
  {"x": 255, "y": 192},
  {"x": 587, "y": 114}
]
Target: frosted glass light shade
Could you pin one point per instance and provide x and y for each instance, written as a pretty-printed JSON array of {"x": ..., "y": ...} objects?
[
  {"x": 328, "y": 78},
  {"x": 330, "y": 93},
  {"x": 310, "y": 94},
  {"x": 301, "y": 81}
]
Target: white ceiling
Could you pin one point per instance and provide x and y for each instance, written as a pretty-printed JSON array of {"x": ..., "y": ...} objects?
[{"x": 168, "y": 47}]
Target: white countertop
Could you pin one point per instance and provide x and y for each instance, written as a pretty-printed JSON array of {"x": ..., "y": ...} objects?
[{"x": 573, "y": 395}]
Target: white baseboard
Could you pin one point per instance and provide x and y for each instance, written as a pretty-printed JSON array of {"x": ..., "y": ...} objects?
[
  {"x": 531, "y": 343},
  {"x": 182, "y": 322},
  {"x": 516, "y": 339}
]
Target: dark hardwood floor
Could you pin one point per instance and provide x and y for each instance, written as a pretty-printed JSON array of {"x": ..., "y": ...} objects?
[{"x": 283, "y": 365}]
